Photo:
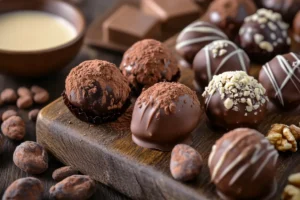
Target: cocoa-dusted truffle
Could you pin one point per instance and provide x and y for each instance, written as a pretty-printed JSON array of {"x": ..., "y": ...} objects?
[
  {"x": 287, "y": 8},
  {"x": 96, "y": 91},
  {"x": 296, "y": 27},
  {"x": 229, "y": 15},
  {"x": 234, "y": 99},
  {"x": 218, "y": 57},
  {"x": 164, "y": 115},
  {"x": 264, "y": 35},
  {"x": 195, "y": 36},
  {"x": 148, "y": 62},
  {"x": 281, "y": 78},
  {"x": 243, "y": 165}
]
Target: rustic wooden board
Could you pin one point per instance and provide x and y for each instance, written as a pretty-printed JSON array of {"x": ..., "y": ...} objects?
[{"x": 107, "y": 153}]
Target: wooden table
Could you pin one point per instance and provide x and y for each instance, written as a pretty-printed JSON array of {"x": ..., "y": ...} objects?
[{"x": 54, "y": 83}]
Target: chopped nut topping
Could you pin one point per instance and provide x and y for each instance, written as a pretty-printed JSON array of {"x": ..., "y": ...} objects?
[{"x": 292, "y": 190}]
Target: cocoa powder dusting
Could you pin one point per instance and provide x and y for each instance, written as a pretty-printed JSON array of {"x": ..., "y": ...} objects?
[{"x": 165, "y": 95}]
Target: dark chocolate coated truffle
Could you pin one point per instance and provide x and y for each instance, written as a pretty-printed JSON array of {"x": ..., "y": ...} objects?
[
  {"x": 281, "y": 78},
  {"x": 296, "y": 27},
  {"x": 264, "y": 35},
  {"x": 234, "y": 99},
  {"x": 164, "y": 115},
  {"x": 218, "y": 57},
  {"x": 287, "y": 8},
  {"x": 243, "y": 165},
  {"x": 229, "y": 15},
  {"x": 96, "y": 90},
  {"x": 195, "y": 36},
  {"x": 148, "y": 62}
]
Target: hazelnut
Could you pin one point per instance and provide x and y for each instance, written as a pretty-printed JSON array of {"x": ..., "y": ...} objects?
[
  {"x": 31, "y": 157},
  {"x": 9, "y": 113},
  {"x": 186, "y": 163},
  {"x": 41, "y": 97},
  {"x": 24, "y": 102},
  {"x": 33, "y": 114},
  {"x": 63, "y": 172},
  {"x": 24, "y": 91},
  {"x": 28, "y": 188},
  {"x": 76, "y": 187},
  {"x": 9, "y": 96},
  {"x": 14, "y": 128}
]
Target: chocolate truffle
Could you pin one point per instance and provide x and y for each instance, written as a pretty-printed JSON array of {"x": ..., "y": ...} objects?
[
  {"x": 264, "y": 35},
  {"x": 229, "y": 15},
  {"x": 218, "y": 57},
  {"x": 234, "y": 99},
  {"x": 148, "y": 62},
  {"x": 165, "y": 115},
  {"x": 287, "y": 8},
  {"x": 96, "y": 92},
  {"x": 243, "y": 165},
  {"x": 281, "y": 78},
  {"x": 296, "y": 27},
  {"x": 195, "y": 36}
]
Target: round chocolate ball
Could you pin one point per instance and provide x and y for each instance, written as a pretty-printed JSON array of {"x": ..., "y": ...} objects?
[
  {"x": 148, "y": 62},
  {"x": 195, "y": 36},
  {"x": 96, "y": 91},
  {"x": 287, "y": 8},
  {"x": 281, "y": 78},
  {"x": 229, "y": 15},
  {"x": 218, "y": 57},
  {"x": 296, "y": 27},
  {"x": 243, "y": 165},
  {"x": 165, "y": 115},
  {"x": 264, "y": 35},
  {"x": 234, "y": 99}
]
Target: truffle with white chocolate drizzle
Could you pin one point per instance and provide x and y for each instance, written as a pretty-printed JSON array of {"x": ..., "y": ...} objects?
[
  {"x": 234, "y": 99},
  {"x": 264, "y": 35},
  {"x": 243, "y": 165},
  {"x": 218, "y": 57},
  {"x": 281, "y": 78},
  {"x": 195, "y": 36}
]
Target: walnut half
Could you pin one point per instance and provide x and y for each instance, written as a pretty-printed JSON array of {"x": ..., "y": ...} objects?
[
  {"x": 284, "y": 137},
  {"x": 292, "y": 190}
]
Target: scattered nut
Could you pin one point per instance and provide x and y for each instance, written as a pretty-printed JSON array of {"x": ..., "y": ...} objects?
[
  {"x": 9, "y": 113},
  {"x": 37, "y": 89},
  {"x": 31, "y": 157},
  {"x": 292, "y": 190},
  {"x": 24, "y": 91},
  {"x": 186, "y": 163},
  {"x": 24, "y": 102},
  {"x": 76, "y": 187},
  {"x": 33, "y": 114},
  {"x": 1, "y": 143},
  {"x": 63, "y": 172},
  {"x": 14, "y": 128},
  {"x": 283, "y": 137},
  {"x": 28, "y": 188},
  {"x": 41, "y": 97},
  {"x": 9, "y": 96}
]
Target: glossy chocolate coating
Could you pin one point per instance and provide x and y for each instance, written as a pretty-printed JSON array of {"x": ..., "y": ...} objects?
[
  {"x": 264, "y": 35},
  {"x": 296, "y": 27},
  {"x": 287, "y": 8},
  {"x": 229, "y": 15},
  {"x": 195, "y": 36},
  {"x": 218, "y": 57},
  {"x": 161, "y": 122},
  {"x": 243, "y": 165},
  {"x": 281, "y": 78}
]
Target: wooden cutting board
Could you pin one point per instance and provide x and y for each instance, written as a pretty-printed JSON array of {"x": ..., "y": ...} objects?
[{"x": 107, "y": 153}]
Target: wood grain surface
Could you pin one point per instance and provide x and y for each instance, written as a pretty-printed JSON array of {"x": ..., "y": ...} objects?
[{"x": 107, "y": 153}]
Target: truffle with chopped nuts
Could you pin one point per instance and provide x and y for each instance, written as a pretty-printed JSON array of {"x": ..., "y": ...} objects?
[
  {"x": 218, "y": 57},
  {"x": 234, "y": 99},
  {"x": 281, "y": 78},
  {"x": 165, "y": 115},
  {"x": 264, "y": 35}
]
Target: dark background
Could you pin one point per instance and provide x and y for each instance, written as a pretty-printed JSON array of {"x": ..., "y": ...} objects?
[{"x": 54, "y": 83}]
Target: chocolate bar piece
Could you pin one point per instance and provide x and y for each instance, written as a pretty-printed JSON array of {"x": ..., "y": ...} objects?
[{"x": 129, "y": 25}]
